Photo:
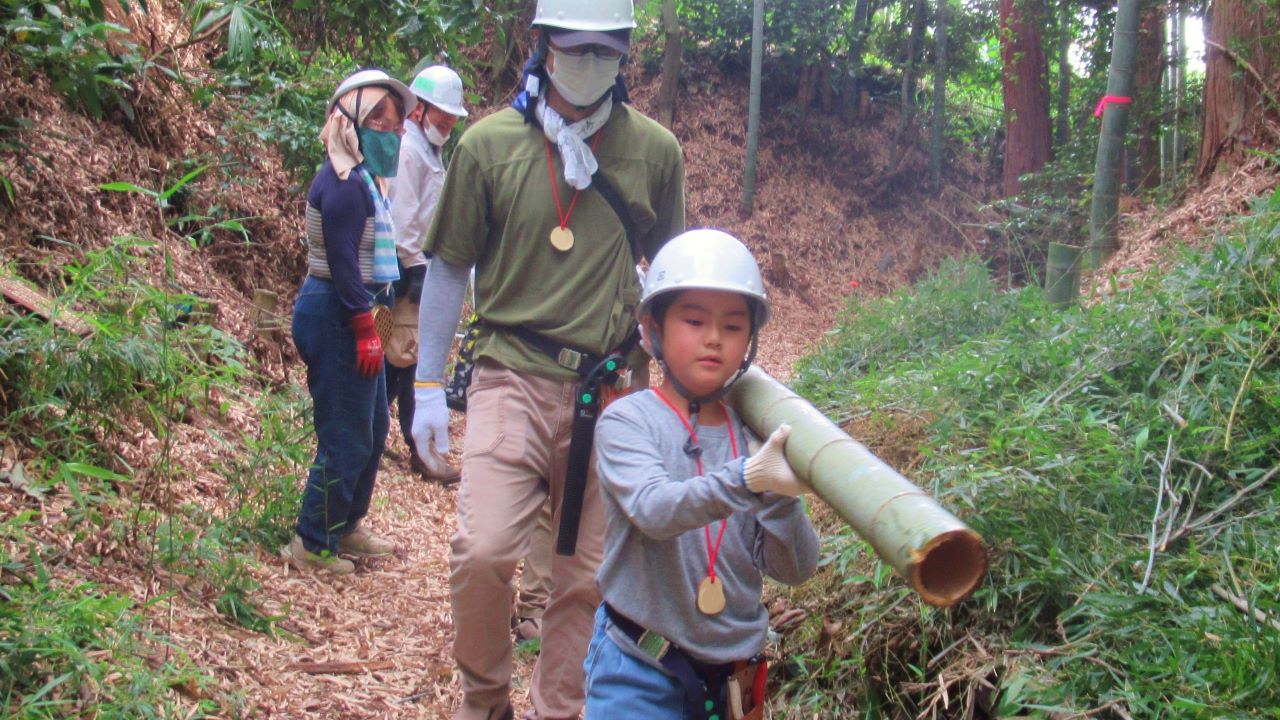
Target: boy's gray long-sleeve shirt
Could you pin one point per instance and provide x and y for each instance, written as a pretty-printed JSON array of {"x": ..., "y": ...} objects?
[{"x": 655, "y": 551}]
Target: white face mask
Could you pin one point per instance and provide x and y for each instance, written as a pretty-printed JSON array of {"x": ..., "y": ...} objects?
[
  {"x": 433, "y": 135},
  {"x": 583, "y": 79}
]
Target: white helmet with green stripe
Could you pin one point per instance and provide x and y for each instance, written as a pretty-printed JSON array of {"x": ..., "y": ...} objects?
[{"x": 441, "y": 87}]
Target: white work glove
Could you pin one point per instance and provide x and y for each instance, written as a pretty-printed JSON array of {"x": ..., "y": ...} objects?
[
  {"x": 768, "y": 470},
  {"x": 430, "y": 421}
]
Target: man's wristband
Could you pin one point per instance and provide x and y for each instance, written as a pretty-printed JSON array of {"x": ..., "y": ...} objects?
[{"x": 427, "y": 384}]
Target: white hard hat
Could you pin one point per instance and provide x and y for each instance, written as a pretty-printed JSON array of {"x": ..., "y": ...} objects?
[
  {"x": 706, "y": 259},
  {"x": 586, "y": 14},
  {"x": 441, "y": 87},
  {"x": 370, "y": 77}
]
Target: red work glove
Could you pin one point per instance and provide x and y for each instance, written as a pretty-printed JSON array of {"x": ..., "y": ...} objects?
[{"x": 368, "y": 345}]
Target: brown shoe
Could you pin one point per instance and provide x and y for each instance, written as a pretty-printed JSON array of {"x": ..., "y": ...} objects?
[
  {"x": 471, "y": 712},
  {"x": 362, "y": 543},
  {"x": 528, "y": 629},
  {"x": 436, "y": 469},
  {"x": 303, "y": 559}
]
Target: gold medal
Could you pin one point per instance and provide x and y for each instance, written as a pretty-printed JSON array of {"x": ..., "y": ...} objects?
[
  {"x": 561, "y": 238},
  {"x": 710, "y": 596}
]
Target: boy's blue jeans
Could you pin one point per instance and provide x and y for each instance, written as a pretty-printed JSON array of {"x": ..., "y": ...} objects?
[
  {"x": 621, "y": 686},
  {"x": 350, "y": 415}
]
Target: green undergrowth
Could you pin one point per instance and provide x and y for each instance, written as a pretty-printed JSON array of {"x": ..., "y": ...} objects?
[
  {"x": 82, "y": 651},
  {"x": 152, "y": 364},
  {"x": 1121, "y": 462}
]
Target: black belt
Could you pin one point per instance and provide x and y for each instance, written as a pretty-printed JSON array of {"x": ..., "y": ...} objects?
[
  {"x": 703, "y": 683},
  {"x": 579, "y": 361}
]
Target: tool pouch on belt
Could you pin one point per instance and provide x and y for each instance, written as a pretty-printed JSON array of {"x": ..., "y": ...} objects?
[
  {"x": 382, "y": 323},
  {"x": 455, "y": 392},
  {"x": 401, "y": 345},
  {"x": 745, "y": 690}
]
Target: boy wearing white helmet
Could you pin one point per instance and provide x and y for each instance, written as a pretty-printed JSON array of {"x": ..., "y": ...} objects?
[
  {"x": 693, "y": 524},
  {"x": 414, "y": 193},
  {"x": 552, "y": 202}
]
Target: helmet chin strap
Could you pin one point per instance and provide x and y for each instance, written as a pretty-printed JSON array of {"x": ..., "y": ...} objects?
[{"x": 697, "y": 401}]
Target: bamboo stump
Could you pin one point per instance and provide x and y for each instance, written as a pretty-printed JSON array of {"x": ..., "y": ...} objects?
[
  {"x": 1062, "y": 274},
  {"x": 266, "y": 321}
]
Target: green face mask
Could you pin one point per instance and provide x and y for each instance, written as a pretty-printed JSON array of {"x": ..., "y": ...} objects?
[{"x": 381, "y": 150}]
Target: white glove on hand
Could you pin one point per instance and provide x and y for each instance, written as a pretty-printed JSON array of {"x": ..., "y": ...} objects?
[
  {"x": 430, "y": 421},
  {"x": 768, "y": 470}
]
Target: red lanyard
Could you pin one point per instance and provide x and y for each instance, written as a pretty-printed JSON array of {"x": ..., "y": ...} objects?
[
  {"x": 712, "y": 550},
  {"x": 555, "y": 186}
]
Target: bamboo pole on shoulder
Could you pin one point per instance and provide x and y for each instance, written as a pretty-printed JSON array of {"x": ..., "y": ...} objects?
[{"x": 939, "y": 556}]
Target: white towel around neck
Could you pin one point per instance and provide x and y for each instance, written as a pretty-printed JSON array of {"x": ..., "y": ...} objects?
[{"x": 570, "y": 138}]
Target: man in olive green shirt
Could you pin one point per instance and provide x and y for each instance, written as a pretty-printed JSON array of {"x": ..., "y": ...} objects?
[{"x": 553, "y": 262}]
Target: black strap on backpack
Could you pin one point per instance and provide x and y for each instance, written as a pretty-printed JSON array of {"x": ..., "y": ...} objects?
[{"x": 611, "y": 196}]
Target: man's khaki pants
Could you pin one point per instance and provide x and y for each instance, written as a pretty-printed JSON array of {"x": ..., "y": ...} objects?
[
  {"x": 514, "y": 454},
  {"x": 535, "y": 572}
]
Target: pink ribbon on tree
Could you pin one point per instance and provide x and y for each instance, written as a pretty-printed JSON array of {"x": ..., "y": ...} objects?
[{"x": 1102, "y": 104}]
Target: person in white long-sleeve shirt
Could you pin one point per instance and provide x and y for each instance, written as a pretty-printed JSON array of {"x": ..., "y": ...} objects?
[{"x": 414, "y": 194}]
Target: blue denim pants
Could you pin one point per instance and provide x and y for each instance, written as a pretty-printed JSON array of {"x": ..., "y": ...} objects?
[
  {"x": 350, "y": 415},
  {"x": 621, "y": 686}
]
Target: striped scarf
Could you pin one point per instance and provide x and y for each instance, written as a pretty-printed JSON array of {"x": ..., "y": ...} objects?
[{"x": 385, "y": 267}]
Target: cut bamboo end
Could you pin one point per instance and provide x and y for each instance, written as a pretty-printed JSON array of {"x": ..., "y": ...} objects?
[
  {"x": 949, "y": 567},
  {"x": 930, "y": 548}
]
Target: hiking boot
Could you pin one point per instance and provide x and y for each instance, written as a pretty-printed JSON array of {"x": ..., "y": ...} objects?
[
  {"x": 471, "y": 712},
  {"x": 436, "y": 469},
  {"x": 528, "y": 629},
  {"x": 303, "y": 559},
  {"x": 362, "y": 543}
]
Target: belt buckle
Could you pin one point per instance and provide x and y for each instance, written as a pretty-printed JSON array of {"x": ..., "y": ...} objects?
[
  {"x": 653, "y": 644},
  {"x": 569, "y": 358}
]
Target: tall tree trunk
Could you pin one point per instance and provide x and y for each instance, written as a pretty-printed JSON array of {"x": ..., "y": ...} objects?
[
  {"x": 1240, "y": 57},
  {"x": 1147, "y": 79},
  {"x": 939, "y": 130},
  {"x": 1179, "y": 84},
  {"x": 1106, "y": 176},
  {"x": 1062, "y": 130},
  {"x": 804, "y": 89},
  {"x": 671, "y": 54},
  {"x": 1167, "y": 84},
  {"x": 826, "y": 90},
  {"x": 857, "y": 40},
  {"x": 753, "y": 107},
  {"x": 1026, "y": 92},
  {"x": 915, "y": 43}
]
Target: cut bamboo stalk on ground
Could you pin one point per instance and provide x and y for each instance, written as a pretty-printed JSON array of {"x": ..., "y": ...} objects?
[
  {"x": 26, "y": 295},
  {"x": 341, "y": 667},
  {"x": 940, "y": 557}
]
